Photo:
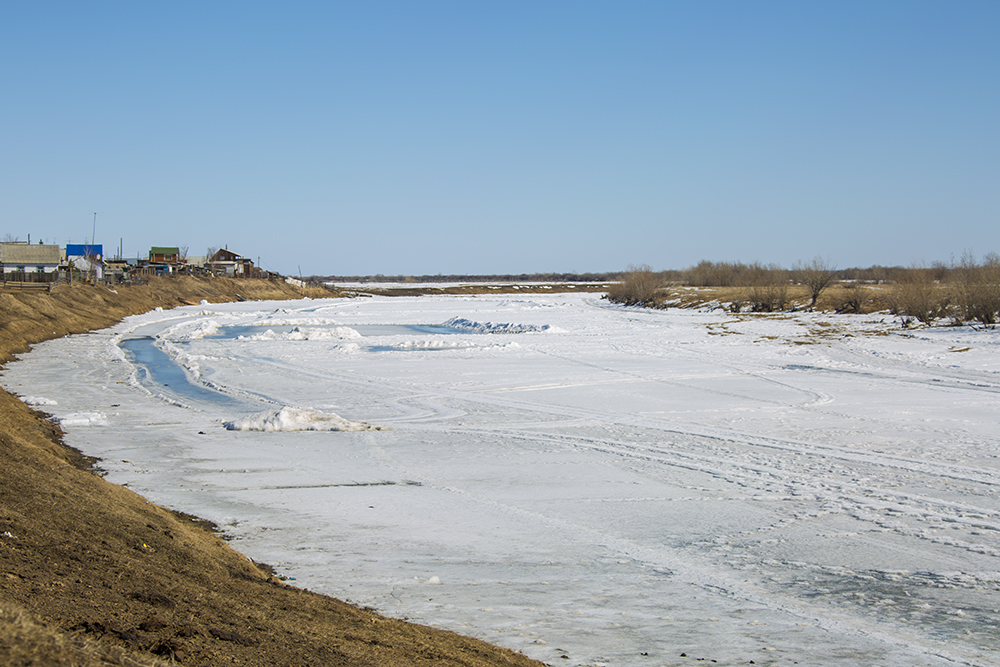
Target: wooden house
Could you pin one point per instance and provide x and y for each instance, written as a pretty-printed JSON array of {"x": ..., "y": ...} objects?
[
  {"x": 227, "y": 263},
  {"x": 30, "y": 263},
  {"x": 164, "y": 255}
]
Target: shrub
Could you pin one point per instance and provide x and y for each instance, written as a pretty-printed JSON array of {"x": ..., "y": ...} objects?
[
  {"x": 978, "y": 289},
  {"x": 917, "y": 296},
  {"x": 766, "y": 288},
  {"x": 855, "y": 298},
  {"x": 640, "y": 286}
]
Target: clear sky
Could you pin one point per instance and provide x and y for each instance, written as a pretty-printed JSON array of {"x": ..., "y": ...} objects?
[{"x": 439, "y": 136}]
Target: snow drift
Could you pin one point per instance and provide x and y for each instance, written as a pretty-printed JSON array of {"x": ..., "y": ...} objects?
[
  {"x": 301, "y": 333},
  {"x": 83, "y": 419},
  {"x": 296, "y": 419},
  {"x": 494, "y": 327},
  {"x": 36, "y": 401}
]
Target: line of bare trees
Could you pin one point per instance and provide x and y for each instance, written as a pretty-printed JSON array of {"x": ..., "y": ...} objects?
[
  {"x": 760, "y": 287},
  {"x": 964, "y": 291},
  {"x": 969, "y": 291}
]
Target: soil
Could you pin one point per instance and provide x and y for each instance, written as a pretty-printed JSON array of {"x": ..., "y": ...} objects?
[{"x": 93, "y": 574}]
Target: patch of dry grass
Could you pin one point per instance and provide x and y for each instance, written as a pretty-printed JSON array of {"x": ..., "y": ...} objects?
[{"x": 26, "y": 643}]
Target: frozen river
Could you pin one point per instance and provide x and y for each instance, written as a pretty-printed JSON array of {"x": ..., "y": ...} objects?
[{"x": 584, "y": 483}]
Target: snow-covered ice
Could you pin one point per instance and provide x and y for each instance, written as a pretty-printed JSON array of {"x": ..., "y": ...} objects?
[{"x": 615, "y": 485}]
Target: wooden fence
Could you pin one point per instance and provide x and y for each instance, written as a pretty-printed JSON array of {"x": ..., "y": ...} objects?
[{"x": 20, "y": 284}]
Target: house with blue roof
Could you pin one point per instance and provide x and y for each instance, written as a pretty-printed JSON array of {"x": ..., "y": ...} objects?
[{"x": 87, "y": 258}]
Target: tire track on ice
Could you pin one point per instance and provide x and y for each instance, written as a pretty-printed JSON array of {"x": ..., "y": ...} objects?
[
  {"x": 688, "y": 571},
  {"x": 938, "y": 469}
]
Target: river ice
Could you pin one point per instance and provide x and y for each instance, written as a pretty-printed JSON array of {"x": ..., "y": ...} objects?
[{"x": 585, "y": 483}]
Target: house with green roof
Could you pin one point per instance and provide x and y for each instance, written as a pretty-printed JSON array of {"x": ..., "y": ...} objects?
[{"x": 165, "y": 255}]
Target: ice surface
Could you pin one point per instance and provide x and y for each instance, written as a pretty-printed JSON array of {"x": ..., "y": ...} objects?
[{"x": 616, "y": 485}]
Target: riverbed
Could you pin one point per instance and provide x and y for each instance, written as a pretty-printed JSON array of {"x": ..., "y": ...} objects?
[{"x": 570, "y": 478}]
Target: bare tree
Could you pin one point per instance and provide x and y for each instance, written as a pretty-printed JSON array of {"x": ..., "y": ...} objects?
[
  {"x": 816, "y": 276},
  {"x": 210, "y": 256},
  {"x": 9, "y": 238}
]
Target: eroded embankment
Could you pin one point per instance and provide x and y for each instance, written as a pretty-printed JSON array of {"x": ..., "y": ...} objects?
[{"x": 91, "y": 573}]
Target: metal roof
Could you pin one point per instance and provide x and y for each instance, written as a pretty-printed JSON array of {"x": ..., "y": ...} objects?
[
  {"x": 84, "y": 249},
  {"x": 22, "y": 253}
]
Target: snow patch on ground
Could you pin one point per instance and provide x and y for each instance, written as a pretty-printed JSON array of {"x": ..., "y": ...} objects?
[{"x": 296, "y": 419}]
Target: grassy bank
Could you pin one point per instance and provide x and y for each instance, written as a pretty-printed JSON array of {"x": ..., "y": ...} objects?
[{"x": 93, "y": 574}]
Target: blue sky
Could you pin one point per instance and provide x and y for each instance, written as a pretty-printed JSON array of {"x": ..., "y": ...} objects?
[{"x": 469, "y": 137}]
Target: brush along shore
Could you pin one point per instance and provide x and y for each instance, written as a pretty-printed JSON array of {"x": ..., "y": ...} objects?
[
  {"x": 93, "y": 574},
  {"x": 965, "y": 293}
]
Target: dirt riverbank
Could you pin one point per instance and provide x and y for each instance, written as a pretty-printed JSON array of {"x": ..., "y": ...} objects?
[{"x": 93, "y": 574}]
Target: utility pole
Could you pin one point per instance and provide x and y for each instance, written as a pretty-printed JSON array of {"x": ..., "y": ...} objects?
[{"x": 92, "y": 255}]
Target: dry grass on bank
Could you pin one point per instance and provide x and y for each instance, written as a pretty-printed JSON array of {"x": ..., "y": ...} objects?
[
  {"x": 28, "y": 317},
  {"x": 26, "y": 643}
]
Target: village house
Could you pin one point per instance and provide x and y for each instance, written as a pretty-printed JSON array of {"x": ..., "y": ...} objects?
[
  {"x": 30, "y": 263},
  {"x": 224, "y": 262},
  {"x": 164, "y": 255},
  {"x": 116, "y": 269},
  {"x": 87, "y": 258},
  {"x": 163, "y": 261}
]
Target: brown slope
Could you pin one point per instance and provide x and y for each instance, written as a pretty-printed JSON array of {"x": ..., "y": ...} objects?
[{"x": 92, "y": 571}]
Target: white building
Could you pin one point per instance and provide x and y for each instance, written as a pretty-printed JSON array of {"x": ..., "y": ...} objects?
[{"x": 87, "y": 258}]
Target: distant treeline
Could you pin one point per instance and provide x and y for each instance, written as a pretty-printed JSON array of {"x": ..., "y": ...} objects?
[
  {"x": 495, "y": 278},
  {"x": 703, "y": 274}
]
